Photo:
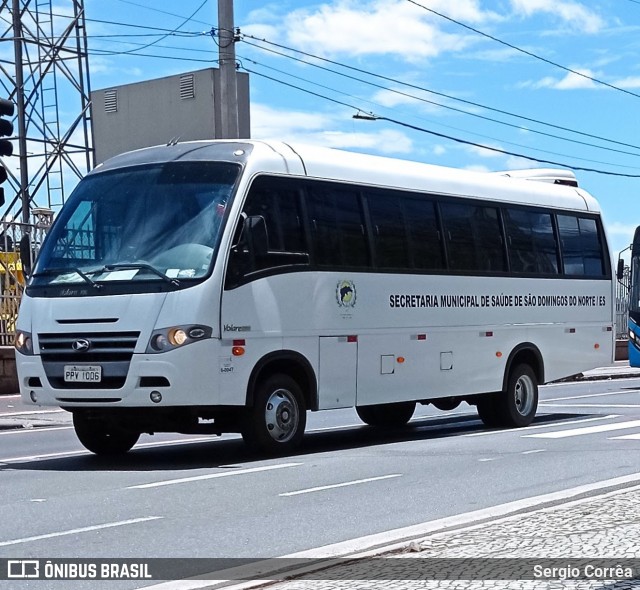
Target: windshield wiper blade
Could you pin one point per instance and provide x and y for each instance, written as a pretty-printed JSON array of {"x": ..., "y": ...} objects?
[
  {"x": 142, "y": 266},
  {"x": 67, "y": 270}
]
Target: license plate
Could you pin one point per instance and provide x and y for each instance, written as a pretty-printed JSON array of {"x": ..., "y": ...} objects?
[{"x": 82, "y": 373}]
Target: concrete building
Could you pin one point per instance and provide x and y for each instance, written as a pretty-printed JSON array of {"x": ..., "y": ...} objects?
[{"x": 154, "y": 112}]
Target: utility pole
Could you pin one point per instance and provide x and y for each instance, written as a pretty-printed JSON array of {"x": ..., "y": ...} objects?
[{"x": 227, "y": 59}]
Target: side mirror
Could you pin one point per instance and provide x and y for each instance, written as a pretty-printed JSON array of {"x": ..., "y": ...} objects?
[
  {"x": 255, "y": 236},
  {"x": 620, "y": 271}
]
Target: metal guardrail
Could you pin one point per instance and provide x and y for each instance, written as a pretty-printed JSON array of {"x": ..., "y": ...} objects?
[
  {"x": 19, "y": 246},
  {"x": 622, "y": 306}
]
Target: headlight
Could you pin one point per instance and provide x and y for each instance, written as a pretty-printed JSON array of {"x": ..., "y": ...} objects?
[
  {"x": 24, "y": 342},
  {"x": 176, "y": 337}
]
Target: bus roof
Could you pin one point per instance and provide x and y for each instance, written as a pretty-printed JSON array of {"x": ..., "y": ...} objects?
[{"x": 542, "y": 187}]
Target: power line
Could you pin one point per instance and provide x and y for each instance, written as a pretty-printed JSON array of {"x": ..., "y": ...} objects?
[
  {"x": 434, "y": 92},
  {"x": 529, "y": 53},
  {"x": 436, "y": 123},
  {"x": 372, "y": 116},
  {"x": 151, "y": 8},
  {"x": 444, "y": 106},
  {"x": 184, "y": 22}
]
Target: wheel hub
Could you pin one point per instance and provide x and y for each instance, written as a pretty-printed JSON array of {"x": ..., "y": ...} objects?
[{"x": 281, "y": 415}]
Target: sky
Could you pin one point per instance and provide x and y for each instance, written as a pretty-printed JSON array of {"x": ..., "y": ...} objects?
[{"x": 485, "y": 85}]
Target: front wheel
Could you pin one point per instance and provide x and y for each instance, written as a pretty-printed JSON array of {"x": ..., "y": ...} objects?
[
  {"x": 276, "y": 421},
  {"x": 387, "y": 415},
  {"x": 101, "y": 437}
]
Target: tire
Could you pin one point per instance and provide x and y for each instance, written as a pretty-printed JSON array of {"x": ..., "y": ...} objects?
[
  {"x": 101, "y": 437},
  {"x": 275, "y": 423},
  {"x": 387, "y": 415},
  {"x": 518, "y": 404},
  {"x": 446, "y": 404},
  {"x": 488, "y": 410}
]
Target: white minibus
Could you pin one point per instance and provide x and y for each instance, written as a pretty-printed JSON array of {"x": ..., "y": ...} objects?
[{"x": 233, "y": 286}]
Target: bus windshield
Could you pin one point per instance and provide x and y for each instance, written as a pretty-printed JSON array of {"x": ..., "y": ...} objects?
[{"x": 144, "y": 224}]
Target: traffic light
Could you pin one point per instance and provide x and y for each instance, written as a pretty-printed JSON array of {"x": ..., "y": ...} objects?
[{"x": 6, "y": 130}]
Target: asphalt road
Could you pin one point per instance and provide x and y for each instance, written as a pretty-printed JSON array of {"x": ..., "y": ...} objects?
[{"x": 178, "y": 496}]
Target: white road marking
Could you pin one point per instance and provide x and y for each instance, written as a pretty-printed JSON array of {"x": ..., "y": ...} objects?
[
  {"x": 487, "y": 459},
  {"x": 533, "y": 451},
  {"x": 340, "y": 485},
  {"x": 536, "y": 426},
  {"x": 167, "y": 443},
  {"x": 170, "y": 482},
  {"x": 635, "y": 436},
  {"x": 43, "y": 456},
  {"x": 85, "y": 529},
  {"x": 31, "y": 412},
  {"x": 585, "y": 395},
  {"x": 587, "y": 430},
  {"x": 40, "y": 429},
  {"x": 602, "y": 405}
]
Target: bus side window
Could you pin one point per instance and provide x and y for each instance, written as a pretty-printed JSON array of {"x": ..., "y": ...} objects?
[
  {"x": 337, "y": 226},
  {"x": 532, "y": 245},
  {"x": 473, "y": 237},
  {"x": 581, "y": 246},
  {"x": 389, "y": 232},
  {"x": 425, "y": 243}
]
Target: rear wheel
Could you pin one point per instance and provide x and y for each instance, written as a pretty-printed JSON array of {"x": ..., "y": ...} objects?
[
  {"x": 519, "y": 403},
  {"x": 276, "y": 421},
  {"x": 101, "y": 437},
  {"x": 387, "y": 415},
  {"x": 514, "y": 407}
]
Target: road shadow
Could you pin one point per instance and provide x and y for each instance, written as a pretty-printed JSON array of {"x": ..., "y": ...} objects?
[{"x": 229, "y": 452}]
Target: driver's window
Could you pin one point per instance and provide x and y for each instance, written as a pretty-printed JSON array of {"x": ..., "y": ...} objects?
[{"x": 277, "y": 201}]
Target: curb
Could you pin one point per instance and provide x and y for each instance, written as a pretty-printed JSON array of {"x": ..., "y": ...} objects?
[{"x": 270, "y": 572}]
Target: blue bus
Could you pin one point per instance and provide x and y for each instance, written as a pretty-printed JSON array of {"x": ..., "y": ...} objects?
[{"x": 634, "y": 301}]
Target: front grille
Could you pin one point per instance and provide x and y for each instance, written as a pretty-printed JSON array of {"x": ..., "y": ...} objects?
[
  {"x": 111, "y": 350},
  {"x": 104, "y": 347}
]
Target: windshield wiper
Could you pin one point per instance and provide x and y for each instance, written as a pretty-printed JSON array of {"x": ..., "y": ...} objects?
[
  {"x": 67, "y": 270},
  {"x": 141, "y": 266}
]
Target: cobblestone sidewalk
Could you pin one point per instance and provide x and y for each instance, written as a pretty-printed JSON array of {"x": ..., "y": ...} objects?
[{"x": 605, "y": 527}]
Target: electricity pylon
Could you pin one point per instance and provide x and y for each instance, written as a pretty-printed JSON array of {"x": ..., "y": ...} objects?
[{"x": 48, "y": 79}]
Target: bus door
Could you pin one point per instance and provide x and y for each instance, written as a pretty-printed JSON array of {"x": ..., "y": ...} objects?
[{"x": 337, "y": 371}]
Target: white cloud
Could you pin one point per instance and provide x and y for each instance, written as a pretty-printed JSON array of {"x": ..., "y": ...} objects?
[
  {"x": 576, "y": 15},
  {"x": 261, "y": 31},
  {"x": 570, "y": 82},
  {"x": 268, "y": 122},
  {"x": 484, "y": 152},
  {"x": 386, "y": 141},
  {"x": 379, "y": 27},
  {"x": 629, "y": 82},
  {"x": 402, "y": 96},
  {"x": 617, "y": 228},
  {"x": 518, "y": 163},
  {"x": 322, "y": 129}
]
